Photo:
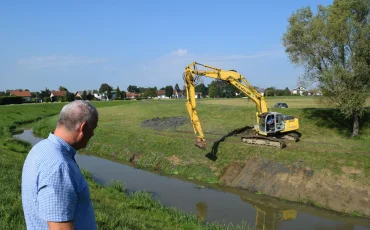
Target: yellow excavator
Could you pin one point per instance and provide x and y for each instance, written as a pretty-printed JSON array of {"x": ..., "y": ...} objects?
[{"x": 271, "y": 129}]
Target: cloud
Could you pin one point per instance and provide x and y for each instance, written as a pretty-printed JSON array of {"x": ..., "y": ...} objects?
[
  {"x": 179, "y": 52},
  {"x": 39, "y": 62},
  {"x": 168, "y": 68},
  {"x": 244, "y": 57}
]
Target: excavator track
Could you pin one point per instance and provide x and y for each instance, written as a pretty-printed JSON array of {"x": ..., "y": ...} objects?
[
  {"x": 291, "y": 137},
  {"x": 263, "y": 141}
]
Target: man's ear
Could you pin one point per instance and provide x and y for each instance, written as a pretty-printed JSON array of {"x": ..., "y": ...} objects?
[{"x": 83, "y": 127}]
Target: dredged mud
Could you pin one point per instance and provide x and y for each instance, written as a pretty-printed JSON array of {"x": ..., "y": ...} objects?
[{"x": 160, "y": 123}]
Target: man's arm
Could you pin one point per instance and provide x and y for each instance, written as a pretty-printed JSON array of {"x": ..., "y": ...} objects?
[
  {"x": 61, "y": 225},
  {"x": 57, "y": 197}
]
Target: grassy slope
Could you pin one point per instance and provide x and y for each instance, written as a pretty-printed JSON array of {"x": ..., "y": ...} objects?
[
  {"x": 113, "y": 209},
  {"x": 325, "y": 142}
]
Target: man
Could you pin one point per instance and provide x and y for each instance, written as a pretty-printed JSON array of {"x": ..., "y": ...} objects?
[{"x": 55, "y": 194}]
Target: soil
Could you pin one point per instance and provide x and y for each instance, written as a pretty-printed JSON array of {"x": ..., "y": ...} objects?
[
  {"x": 174, "y": 160},
  {"x": 335, "y": 192},
  {"x": 160, "y": 123}
]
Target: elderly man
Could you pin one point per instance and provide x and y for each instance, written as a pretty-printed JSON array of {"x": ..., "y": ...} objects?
[{"x": 55, "y": 194}]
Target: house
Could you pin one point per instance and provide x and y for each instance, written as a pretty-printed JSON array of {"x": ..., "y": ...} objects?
[
  {"x": 198, "y": 95},
  {"x": 100, "y": 96},
  {"x": 314, "y": 92},
  {"x": 298, "y": 91},
  {"x": 56, "y": 94},
  {"x": 80, "y": 93},
  {"x": 161, "y": 94},
  {"x": 26, "y": 95},
  {"x": 261, "y": 91},
  {"x": 132, "y": 95},
  {"x": 176, "y": 94}
]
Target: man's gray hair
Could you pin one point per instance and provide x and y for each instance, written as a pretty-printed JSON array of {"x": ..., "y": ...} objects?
[{"x": 75, "y": 113}]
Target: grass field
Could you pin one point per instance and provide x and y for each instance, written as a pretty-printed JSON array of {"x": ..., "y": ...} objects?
[
  {"x": 325, "y": 143},
  {"x": 114, "y": 209}
]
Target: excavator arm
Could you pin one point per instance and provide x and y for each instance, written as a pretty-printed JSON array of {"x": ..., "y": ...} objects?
[{"x": 232, "y": 77}]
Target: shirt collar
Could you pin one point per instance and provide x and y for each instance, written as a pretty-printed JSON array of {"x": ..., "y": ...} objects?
[{"x": 55, "y": 139}]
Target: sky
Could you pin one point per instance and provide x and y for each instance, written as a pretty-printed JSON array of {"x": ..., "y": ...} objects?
[{"x": 83, "y": 44}]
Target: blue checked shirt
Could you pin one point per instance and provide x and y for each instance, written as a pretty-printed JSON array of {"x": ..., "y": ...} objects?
[{"x": 53, "y": 187}]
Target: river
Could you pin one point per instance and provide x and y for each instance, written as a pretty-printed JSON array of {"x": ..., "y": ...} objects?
[{"x": 213, "y": 203}]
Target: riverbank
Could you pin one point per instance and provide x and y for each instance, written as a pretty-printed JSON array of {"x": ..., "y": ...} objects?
[
  {"x": 301, "y": 184},
  {"x": 114, "y": 207},
  {"x": 150, "y": 134}
]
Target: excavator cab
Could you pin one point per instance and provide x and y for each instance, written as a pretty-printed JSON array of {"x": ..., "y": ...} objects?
[{"x": 270, "y": 123}]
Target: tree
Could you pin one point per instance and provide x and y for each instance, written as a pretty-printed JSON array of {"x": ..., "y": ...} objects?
[
  {"x": 84, "y": 95},
  {"x": 150, "y": 92},
  {"x": 270, "y": 91},
  {"x": 140, "y": 90},
  {"x": 333, "y": 47},
  {"x": 184, "y": 91},
  {"x": 287, "y": 92},
  {"x": 132, "y": 89},
  {"x": 177, "y": 88},
  {"x": 227, "y": 90},
  {"x": 109, "y": 93},
  {"x": 104, "y": 88},
  {"x": 202, "y": 88},
  {"x": 213, "y": 90},
  {"x": 62, "y": 88},
  {"x": 89, "y": 96},
  {"x": 70, "y": 96},
  {"x": 123, "y": 94},
  {"x": 45, "y": 93},
  {"x": 118, "y": 93},
  {"x": 168, "y": 91}
]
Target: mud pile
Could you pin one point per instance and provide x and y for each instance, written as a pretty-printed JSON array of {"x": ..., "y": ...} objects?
[
  {"x": 160, "y": 123},
  {"x": 295, "y": 183}
]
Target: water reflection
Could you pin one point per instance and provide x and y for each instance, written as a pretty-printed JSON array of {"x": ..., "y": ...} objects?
[
  {"x": 201, "y": 210},
  {"x": 269, "y": 218}
]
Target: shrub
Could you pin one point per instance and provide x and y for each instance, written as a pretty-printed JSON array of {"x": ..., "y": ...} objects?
[{"x": 6, "y": 100}]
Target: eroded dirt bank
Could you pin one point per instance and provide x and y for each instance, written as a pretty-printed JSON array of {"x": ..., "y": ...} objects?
[{"x": 335, "y": 192}]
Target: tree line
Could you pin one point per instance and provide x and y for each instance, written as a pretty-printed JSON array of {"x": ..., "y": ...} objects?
[{"x": 217, "y": 89}]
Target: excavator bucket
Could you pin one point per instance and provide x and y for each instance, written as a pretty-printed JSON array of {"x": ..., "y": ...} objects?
[{"x": 201, "y": 144}]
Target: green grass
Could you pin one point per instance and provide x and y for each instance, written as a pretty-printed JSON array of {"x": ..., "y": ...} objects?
[
  {"x": 114, "y": 207},
  {"x": 325, "y": 144}
]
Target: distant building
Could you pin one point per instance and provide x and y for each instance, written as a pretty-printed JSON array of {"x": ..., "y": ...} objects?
[
  {"x": 176, "y": 94},
  {"x": 314, "y": 92},
  {"x": 261, "y": 91},
  {"x": 132, "y": 95},
  {"x": 80, "y": 93},
  {"x": 299, "y": 90},
  {"x": 161, "y": 94},
  {"x": 26, "y": 95}
]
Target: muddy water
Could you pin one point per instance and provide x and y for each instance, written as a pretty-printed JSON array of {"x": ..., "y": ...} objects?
[{"x": 215, "y": 204}]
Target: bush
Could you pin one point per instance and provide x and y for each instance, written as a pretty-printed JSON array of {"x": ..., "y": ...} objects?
[
  {"x": 6, "y": 100},
  {"x": 47, "y": 99}
]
